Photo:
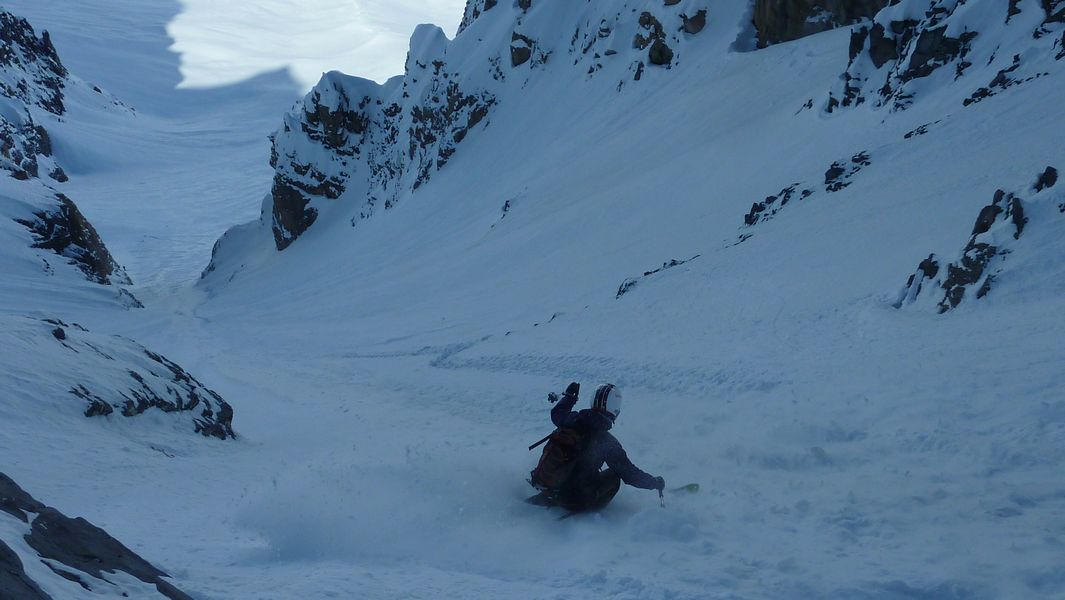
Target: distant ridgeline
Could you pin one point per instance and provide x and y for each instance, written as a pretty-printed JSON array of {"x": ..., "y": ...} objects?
[{"x": 369, "y": 146}]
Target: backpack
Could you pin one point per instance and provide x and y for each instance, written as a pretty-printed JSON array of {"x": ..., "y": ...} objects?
[{"x": 556, "y": 464}]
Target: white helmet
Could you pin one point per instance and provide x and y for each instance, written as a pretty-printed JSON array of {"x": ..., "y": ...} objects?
[{"x": 608, "y": 399}]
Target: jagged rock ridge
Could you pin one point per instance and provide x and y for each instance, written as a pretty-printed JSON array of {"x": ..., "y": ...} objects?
[
  {"x": 914, "y": 40},
  {"x": 998, "y": 227},
  {"x": 32, "y": 79},
  {"x": 30, "y": 69},
  {"x": 76, "y": 552},
  {"x": 354, "y": 141}
]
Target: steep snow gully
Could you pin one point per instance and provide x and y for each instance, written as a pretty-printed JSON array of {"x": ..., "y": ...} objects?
[{"x": 285, "y": 347}]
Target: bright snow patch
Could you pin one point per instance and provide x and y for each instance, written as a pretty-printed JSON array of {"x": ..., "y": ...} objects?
[{"x": 225, "y": 42}]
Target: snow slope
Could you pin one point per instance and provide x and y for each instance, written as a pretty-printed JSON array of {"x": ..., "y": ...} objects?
[{"x": 388, "y": 372}]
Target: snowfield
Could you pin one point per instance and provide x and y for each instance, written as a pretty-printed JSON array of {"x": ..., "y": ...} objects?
[{"x": 388, "y": 371}]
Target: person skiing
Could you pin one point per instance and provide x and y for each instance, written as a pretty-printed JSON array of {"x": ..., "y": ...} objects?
[{"x": 569, "y": 474}]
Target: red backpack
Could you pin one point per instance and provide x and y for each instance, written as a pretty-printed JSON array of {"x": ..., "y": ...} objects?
[{"x": 556, "y": 464}]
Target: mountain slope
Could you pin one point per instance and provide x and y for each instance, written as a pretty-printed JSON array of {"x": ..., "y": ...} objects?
[
  {"x": 876, "y": 447},
  {"x": 389, "y": 365}
]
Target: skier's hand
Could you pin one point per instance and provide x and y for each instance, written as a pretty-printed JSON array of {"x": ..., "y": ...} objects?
[
  {"x": 660, "y": 483},
  {"x": 573, "y": 389},
  {"x": 552, "y": 397}
]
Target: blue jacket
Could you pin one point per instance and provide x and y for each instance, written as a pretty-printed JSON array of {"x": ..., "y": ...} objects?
[{"x": 600, "y": 446}]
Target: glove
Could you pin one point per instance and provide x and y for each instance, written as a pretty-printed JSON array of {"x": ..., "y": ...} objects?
[
  {"x": 573, "y": 389},
  {"x": 660, "y": 483}
]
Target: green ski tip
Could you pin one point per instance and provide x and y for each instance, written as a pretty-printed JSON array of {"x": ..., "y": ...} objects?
[{"x": 691, "y": 488}]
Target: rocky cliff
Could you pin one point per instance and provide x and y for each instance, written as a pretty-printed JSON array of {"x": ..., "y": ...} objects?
[
  {"x": 43, "y": 549},
  {"x": 30, "y": 69},
  {"x": 32, "y": 83},
  {"x": 779, "y": 21},
  {"x": 914, "y": 45},
  {"x": 31, "y": 78},
  {"x": 354, "y": 142},
  {"x": 66, "y": 232}
]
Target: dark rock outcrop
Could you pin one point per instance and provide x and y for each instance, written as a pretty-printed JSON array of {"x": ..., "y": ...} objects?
[
  {"x": 108, "y": 376},
  {"x": 349, "y": 136},
  {"x": 997, "y": 226},
  {"x": 653, "y": 35},
  {"x": 768, "y": 208},
  {"x": 693, "y": 24},
  {"x": 37, "y": 77},
  {"x": 916, "y": 49},
  {"x": 1048, "y": 179},
  {"x": 72, "y": 548},
  {"x": 630, "y": 283},
  {"x": 778, "y": 21},
  {"x": 65, "y": 231},
  {"x": 837, "y": 177},
  {"x": 14, "y": 581},
  {"x": 910, "y": 40},
  {"x": 978, "y": 253},
  {"x": 26, "y": 147},
  {"x": 521, "y": 49}
]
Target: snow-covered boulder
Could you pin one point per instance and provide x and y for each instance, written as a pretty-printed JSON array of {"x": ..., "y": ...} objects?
[
  {"x": 45, "y": 554},
  {"x": 63, "y": 367}
]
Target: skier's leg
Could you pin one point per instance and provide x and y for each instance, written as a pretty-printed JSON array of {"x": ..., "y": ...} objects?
[{"x": 608, "y": 484}]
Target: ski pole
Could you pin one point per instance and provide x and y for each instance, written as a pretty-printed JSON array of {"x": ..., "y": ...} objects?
[
  {"x": 546, "y": 437},
  {"x": 661, "y": 499}
]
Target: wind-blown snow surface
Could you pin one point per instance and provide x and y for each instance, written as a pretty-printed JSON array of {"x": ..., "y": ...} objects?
[{"x": 388, "y": 376}]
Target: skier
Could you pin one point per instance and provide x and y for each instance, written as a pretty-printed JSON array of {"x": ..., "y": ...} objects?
[{"x": 569, "y": 474}]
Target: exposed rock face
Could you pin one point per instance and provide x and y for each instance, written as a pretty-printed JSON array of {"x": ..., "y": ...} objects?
[
  {"x": 31, "y": 76},
  {"x": 352, "y": 136},
  {"x": 370, "y": 146},
  {"x": 65, "y": 231},
  {"x": 73, "y": 549},
  {"x": 30, "y": 69},
  {"x": 838, "y": 176},
  {"x": 784, "y": 20},
  {"x": 102, "y": 376},
  {"x": 26, "y": 150},
  {"x": 911, "y": 40},
  {"x": 998, "y": 226},
  {"x": 629, "y": 284},
  {"x": 32, "y": 80},
  {"x": 694, "y": 24},
  {"x": 13, "y": 579}
]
